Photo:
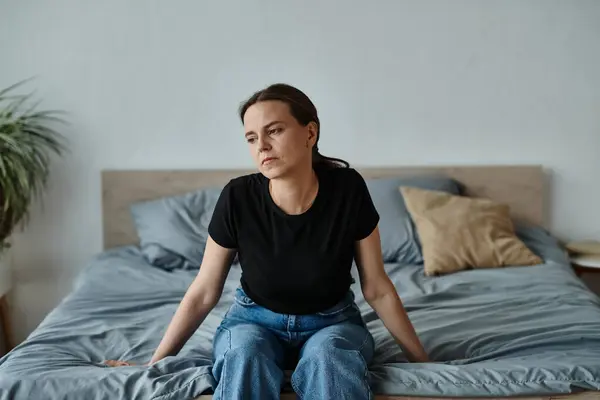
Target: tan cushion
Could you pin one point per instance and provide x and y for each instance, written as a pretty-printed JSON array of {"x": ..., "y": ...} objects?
[{"x": 458, "y": 233}]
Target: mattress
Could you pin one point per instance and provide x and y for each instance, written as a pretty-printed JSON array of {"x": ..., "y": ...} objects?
[{"x": 510, "y": 331}]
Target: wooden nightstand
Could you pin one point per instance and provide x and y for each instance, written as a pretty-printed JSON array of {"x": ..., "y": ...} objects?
[
  {"x": 588, "y": 264},
  {"x": 585, "y": 256}
]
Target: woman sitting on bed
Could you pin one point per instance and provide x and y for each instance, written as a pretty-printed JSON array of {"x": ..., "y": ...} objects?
[{"x": 297, "y": 225}]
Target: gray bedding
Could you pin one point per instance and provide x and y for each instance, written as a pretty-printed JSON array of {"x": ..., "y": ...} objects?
[{"x": 503, "y": 332}]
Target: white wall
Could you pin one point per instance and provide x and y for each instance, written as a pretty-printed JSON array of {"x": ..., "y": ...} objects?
[{"x": 156, "y": 84}]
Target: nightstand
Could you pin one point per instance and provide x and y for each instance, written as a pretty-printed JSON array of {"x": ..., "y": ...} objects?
[
  {"x": 588, "y": 264},
  {"x": 585, "y": 256}
]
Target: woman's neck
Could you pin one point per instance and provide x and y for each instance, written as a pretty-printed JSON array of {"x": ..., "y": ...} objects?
[{"x": 296, "y": 193}]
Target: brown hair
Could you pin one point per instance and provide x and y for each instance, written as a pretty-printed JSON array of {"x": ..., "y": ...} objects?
[{"x": 301, "y": 108}]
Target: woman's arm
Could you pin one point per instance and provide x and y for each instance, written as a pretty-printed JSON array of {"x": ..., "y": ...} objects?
[
  {"x": 380, "y": 293},
  {"x": 200, "y": 298}
]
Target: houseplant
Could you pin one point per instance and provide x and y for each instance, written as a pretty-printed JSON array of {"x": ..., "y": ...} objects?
[{"x": 28, "y": 138}]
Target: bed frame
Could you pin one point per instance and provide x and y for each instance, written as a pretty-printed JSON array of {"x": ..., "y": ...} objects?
[{"x": 522, "y": 187}]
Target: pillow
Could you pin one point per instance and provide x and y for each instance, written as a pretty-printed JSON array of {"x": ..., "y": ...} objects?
[
  {"x": 539, "y": 240},
  {"x": 166, "y": 259},
  {"x": 399, "y": 242},
  {"x": 173, "y": 230},
  {"x": 459, "y": 233}
]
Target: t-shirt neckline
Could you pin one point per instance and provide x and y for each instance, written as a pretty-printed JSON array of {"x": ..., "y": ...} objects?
[{"x": 306, "y": 213}]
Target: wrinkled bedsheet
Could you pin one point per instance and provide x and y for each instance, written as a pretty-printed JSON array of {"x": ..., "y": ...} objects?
[{"x": 501, "y": 332}]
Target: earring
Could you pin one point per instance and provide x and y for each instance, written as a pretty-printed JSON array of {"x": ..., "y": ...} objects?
[{"x": 307, "y": 144}]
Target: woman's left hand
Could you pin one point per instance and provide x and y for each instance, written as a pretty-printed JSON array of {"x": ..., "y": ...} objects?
[{"x": 379, "y": 291}]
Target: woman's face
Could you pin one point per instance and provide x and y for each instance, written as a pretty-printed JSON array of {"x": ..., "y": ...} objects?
[{"x": 278, "y": 144}]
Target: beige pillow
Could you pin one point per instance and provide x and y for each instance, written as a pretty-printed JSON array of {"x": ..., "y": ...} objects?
[{"x": 459, "y": 233}]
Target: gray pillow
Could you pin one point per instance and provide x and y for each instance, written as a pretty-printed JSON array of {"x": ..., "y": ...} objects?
[
  {"x": 173, "y": 230},
  {"x": 399, "y": 239}
]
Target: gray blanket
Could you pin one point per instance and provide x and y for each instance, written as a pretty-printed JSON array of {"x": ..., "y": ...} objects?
[{"x": 503, "y": 332}]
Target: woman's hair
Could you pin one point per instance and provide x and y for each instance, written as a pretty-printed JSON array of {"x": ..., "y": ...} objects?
[{"x": 301, "y": 108}]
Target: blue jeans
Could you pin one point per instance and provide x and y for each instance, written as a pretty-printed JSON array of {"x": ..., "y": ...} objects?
[{"x": 329, "y": 352}]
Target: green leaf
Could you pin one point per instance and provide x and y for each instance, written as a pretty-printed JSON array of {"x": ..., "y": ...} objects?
[{"x": 14, "y": 86}]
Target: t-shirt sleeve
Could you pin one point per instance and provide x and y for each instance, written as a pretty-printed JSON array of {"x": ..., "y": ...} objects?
[
  {"x": 222, "y": 227},
  {"x": 367, "y": 215}
]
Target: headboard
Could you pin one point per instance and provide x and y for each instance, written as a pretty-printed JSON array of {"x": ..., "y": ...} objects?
[{"x": 522, "y": 187}]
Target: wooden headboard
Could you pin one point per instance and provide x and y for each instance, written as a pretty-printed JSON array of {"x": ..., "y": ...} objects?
[{"x": 522, "y": 187}]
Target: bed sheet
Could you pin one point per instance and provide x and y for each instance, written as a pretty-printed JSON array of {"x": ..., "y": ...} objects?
[{"x": 502, "y": 332}]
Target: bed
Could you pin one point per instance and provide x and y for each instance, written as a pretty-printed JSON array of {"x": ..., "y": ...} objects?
[{"x": 530, "y": 332}]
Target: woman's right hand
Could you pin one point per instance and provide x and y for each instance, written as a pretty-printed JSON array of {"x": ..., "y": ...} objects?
[
  {"x": 200, "y": 298},
  {"x": 117, "y": 363}
]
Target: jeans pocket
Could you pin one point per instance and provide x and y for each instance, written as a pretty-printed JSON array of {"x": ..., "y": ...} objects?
[
  {"x": 337, "y": 309},
  {"x": 242, "y": 298}
]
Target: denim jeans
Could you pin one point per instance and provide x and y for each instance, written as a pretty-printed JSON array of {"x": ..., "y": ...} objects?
[{"x": 329, "y": 352}]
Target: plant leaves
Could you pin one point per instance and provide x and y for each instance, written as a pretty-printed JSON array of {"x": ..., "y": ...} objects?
[{"x": 27, "y": 138}]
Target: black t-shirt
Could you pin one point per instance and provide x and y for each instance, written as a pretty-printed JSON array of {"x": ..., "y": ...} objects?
[{"x": 295, "y": 264}]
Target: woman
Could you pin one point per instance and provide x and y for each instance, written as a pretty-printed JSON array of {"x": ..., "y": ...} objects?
[{"x": 296, "y": 225}]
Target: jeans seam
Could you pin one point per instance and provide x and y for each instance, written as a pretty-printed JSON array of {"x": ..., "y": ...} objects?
[
  {"x": 299, "y": 392},
  {"x": 364, "y": 343},
  {"x": 223, "y": 377},
  {"x": 365, "y": 375},
  {"x": 366, "y": 365}
]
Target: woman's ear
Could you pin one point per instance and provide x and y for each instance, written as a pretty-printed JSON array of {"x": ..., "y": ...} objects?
[{"x": 313, "y": 132}]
